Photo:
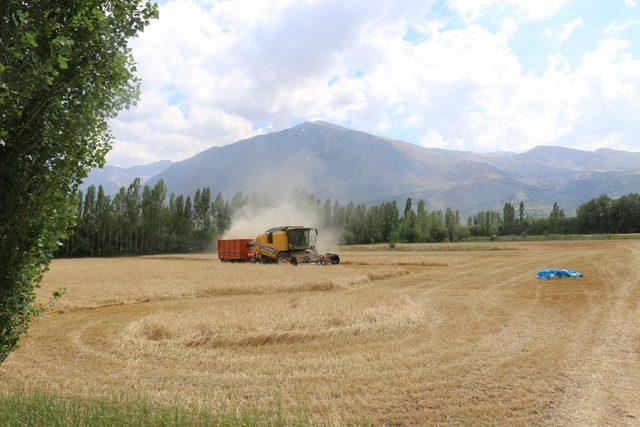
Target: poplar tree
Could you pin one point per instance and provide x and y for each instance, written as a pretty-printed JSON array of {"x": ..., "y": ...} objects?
[{"x": 65, "y": 70}]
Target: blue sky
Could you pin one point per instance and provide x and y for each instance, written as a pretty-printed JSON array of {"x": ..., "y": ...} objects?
[
  {"x": 532, "y": 47},
  {"x": 479, "y": 75}
]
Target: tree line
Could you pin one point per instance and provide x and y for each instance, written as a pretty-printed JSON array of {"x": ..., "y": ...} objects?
[
  {"x": 383, "y": 223},
  {"x": 141, "y": 220},
  {"x": 144, "y": 220},
  {"x": 512, "y": 222},
  {"x": 597, "y": 216},
  {"x": 604, "y": 215}
]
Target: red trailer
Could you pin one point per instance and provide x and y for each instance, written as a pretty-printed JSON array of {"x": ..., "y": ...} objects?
[{"x": 235, "y": 250}]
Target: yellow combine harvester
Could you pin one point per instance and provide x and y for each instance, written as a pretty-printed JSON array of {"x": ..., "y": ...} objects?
[{"x": 290, "y": 244}]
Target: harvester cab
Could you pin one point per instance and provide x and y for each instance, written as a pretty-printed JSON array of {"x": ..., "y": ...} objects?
[{"x": 290, "y": 244}]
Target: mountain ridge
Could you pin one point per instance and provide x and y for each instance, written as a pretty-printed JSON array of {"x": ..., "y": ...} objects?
[
  {"x": 343, "y": 164},
  {"x": 113, "y": 177}
]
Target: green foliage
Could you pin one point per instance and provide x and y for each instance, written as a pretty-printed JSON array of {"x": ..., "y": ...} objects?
[
  {"x": 509, "y": 224},
  {"x": 595, "y": 215},
  {"x": 485, "y": 223},
  {"x": 624, "y": 215},
  {"x": 140, "y": 221},
  {"x": 36, "y": 409},
  {"x": 382, "y": 223},
  {"x": 66, "y": 70},
  {"x": 600, "y": 215},
  {"x": 603, "y": 215}
]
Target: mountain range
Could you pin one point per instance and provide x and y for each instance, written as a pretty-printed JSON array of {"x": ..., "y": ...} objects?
[
  {"x": 113, "y": 177},
  {"x": 332, "y": 161}
]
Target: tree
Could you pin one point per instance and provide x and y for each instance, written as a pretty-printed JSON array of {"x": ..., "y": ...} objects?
[
  {"x": 424, "y": 225},
  {"x": 438, "y": 229},
  {"x": 89, "y": 217},
  {"x": 326, "y": 213},
  {"x": 120, "y": 212},
  {"x": 486, "y": 223},
  {"x": 187, "y": 223},
  {"x": 409, "y": 231},
  {"x": 222, "y": 213},
  {"x": 595, "y": 215},
  {"x": 202, "y": 218},
  {"x": 102, "y": 225},
  {"x": 65, "y": 70},
  {"x": 508, "y": 219},
  {"x": 77, "y": 240},
  {"x": 407, "y": 207},
  {"x": 450, "y": 223},
  {"x": 390, "y": 222},
  {"x": 556, "y": 219},
  {"x": 159, "y": 215},
  {"x": 133, "y": 208},
  {"x": 624, "y": 214}
]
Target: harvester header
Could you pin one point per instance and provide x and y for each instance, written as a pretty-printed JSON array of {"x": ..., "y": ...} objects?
[{"x": 292, "y": 244}]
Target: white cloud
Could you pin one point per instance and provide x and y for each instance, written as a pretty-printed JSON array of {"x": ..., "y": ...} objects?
[
  {"x": 631, "y": 3},
  {"x": 539, "y": 9},
  {"x": 211, "y": 73},
  {"x": 216, "y": 74},
  {"x": 509, "y": 26},
  {"x": 530, "y": 10},
  {"x": 568, "y": 28},
  {"x": 616, "y": 28}
]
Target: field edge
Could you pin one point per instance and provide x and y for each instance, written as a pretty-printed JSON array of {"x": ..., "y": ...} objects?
[{"x": 37, "y": 407}]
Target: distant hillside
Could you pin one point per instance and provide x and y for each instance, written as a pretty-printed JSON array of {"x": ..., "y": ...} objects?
[
  {"x": 114, "y": 177},
  {"x": 339, "y": 163}
]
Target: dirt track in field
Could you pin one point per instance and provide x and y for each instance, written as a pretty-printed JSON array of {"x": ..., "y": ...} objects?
[{"x": 400, "y": 337}]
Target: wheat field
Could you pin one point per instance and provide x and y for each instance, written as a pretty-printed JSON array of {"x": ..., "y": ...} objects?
[{"x": 422, "y": 334}]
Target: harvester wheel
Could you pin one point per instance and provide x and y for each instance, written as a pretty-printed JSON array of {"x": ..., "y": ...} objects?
[
  {"x": 263, "y": 260},
  {"x": 282, "y": 258}
]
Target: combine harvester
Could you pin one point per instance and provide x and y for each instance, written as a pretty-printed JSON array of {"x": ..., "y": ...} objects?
[{"x": 280, "y": 245}]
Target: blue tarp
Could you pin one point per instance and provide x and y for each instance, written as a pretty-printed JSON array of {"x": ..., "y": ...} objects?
[{"x": 548, "y": 274}]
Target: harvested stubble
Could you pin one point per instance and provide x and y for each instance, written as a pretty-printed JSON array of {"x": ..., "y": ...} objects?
[
  {"x": 394, "y": 337},
  {"x": 95, "y": 283}
]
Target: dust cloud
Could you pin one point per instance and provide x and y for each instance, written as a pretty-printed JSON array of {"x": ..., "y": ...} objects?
[
  {"x": 249, "y": 221},
  {"x": 286, "y": 207}
]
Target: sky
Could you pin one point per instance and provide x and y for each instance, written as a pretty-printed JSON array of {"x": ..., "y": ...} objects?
[{"x": 477, "y": 75}]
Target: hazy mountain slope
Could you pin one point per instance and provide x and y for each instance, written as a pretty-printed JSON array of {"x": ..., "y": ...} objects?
[
  {"x": 114, "y": 177},
  {"x": 590, "y": 184},
  {"x": 626, "y": 160},
  {"x": 325, "y": 159},
  {"x": 558, "y": 167},
  {"x": 332, "y": 161},
  {"x": 487, "y": 193},
  {"x": 599, "y": 160}
]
